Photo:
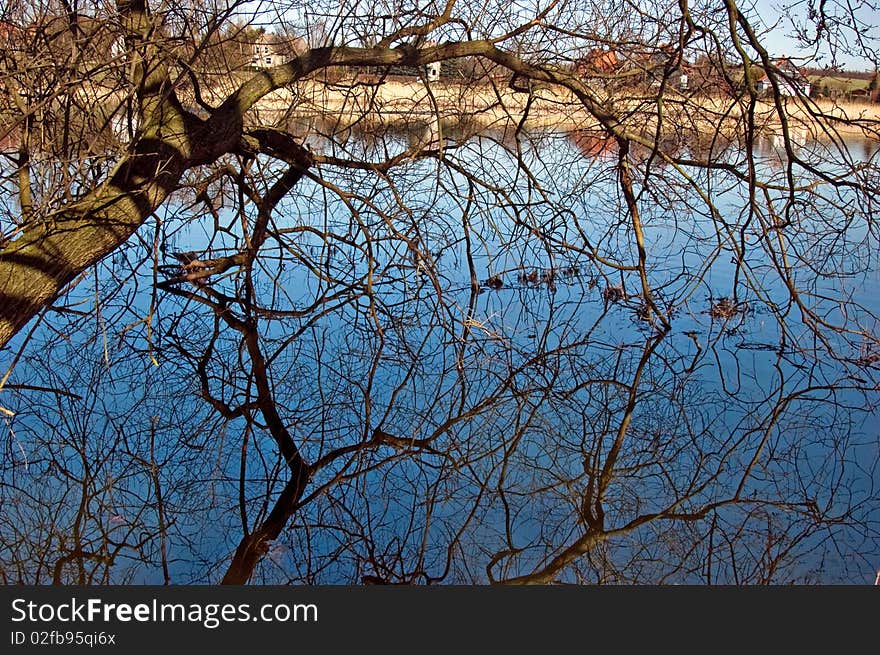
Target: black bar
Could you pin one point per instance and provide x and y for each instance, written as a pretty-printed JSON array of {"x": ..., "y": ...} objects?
[{"x": 466, "y": 619}]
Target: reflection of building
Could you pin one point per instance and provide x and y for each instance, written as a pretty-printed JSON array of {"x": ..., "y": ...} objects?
[
  {"x": 594, "y": 145},
  {"x": 789, "y": 78},
  {"x": 9, "y": 142}
]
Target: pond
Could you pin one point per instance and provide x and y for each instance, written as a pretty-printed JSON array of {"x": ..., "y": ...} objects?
[{"x": 492, "y": 368}]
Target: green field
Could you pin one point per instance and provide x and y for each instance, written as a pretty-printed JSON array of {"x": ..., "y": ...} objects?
[{"x": 831, "y": 85}]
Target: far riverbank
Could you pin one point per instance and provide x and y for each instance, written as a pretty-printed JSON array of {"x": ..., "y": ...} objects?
[{"x": 552, "y": 108}]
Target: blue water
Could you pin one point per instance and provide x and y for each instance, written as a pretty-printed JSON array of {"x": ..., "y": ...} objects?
[{"x": 751, "y": 448}]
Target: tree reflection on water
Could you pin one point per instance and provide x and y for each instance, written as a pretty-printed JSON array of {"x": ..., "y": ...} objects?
[{"x": 473, "y": 367}]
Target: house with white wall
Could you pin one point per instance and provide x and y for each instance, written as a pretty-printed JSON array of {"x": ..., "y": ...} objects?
[
  {"x": 267, "y": 52},
  {"x": 789, "y": 78}
]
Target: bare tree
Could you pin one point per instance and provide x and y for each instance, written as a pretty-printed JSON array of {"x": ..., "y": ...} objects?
[{"x": 591, "y": 307}]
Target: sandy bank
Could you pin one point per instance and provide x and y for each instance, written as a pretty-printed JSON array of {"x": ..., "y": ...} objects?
[{"x": 559, "y": 109}]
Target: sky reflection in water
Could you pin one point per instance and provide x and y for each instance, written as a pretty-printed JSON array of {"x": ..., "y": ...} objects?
[{"x": 521, "y": 382}]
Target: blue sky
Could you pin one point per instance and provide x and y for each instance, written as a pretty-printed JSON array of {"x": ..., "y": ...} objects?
[{"x": 782, "y": 14}]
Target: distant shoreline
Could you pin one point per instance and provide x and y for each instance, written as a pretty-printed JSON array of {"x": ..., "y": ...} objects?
[{"x": 491, "y": 106}]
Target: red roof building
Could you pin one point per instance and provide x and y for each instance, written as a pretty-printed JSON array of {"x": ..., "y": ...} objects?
[{"x": 790, "y": 80}]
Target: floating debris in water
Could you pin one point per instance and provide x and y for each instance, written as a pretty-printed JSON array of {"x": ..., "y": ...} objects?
[
  {"x": 540, "y": 276},
  {"x": 495, "y": 283},
  {"x": 868, "y": 355},
  {"x": 724, "y": 308},
  {"x": 768, "y": 347},
  {"x": 531, "y": 278},
  {"x": 613, "y": 294}
]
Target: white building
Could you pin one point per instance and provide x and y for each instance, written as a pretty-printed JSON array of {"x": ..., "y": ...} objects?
[
  {"x": 266, "y": 53},
  {"x": 789, "y": 78}
]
